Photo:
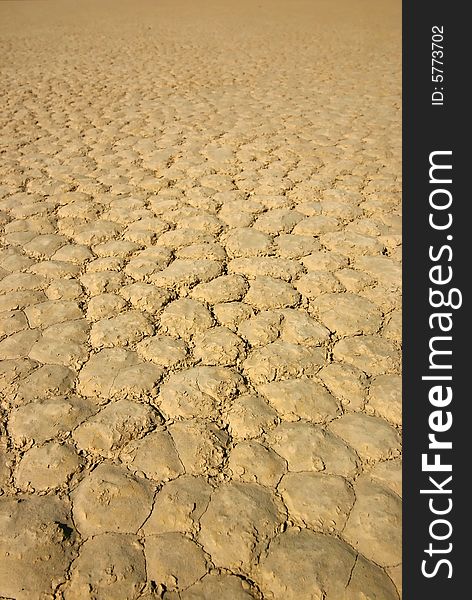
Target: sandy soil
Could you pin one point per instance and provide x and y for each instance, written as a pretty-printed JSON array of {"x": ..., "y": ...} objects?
[{"x": 200, "y": 312}]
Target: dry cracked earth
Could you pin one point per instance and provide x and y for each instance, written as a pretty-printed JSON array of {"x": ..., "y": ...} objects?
[{"x": 200, "y": 311}]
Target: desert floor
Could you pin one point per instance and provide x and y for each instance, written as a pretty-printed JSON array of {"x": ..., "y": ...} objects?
[{"x": 200, "y": 300}]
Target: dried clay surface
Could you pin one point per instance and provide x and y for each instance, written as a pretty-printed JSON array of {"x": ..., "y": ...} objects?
[{"x": 200, "y": 300}]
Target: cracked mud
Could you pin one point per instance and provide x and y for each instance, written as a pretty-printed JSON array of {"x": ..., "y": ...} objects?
[{"x": 200, "y": 300}]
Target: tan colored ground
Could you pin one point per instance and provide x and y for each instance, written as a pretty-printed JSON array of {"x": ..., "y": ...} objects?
[{"x": 200, "y": 304}]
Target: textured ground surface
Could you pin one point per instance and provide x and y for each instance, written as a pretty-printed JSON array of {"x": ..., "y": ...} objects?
[{"x": 200, "y": 300}]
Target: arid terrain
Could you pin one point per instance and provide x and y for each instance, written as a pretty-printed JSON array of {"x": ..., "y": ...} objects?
[{"x": 200, "y": 300}]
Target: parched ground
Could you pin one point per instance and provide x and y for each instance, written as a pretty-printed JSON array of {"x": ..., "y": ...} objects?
[{"x": 200, "y": 311}]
